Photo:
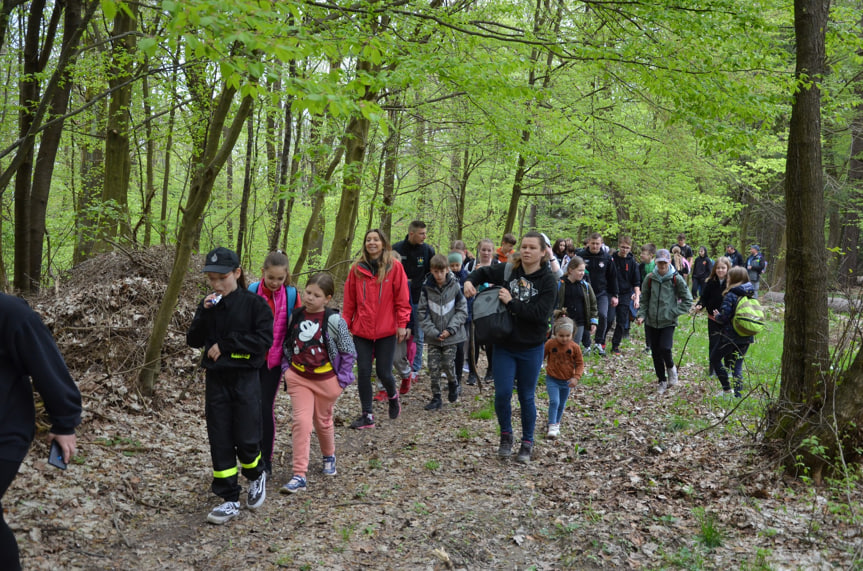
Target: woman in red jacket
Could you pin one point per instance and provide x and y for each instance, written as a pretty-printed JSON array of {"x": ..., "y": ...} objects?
[{"x": 377, "y": 309}]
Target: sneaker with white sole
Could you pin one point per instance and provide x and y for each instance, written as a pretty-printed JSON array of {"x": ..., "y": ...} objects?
[
  {"x": 257, "y": 492},
  {"x": 224, "y": 513},
  {"x": 363, "y": 421},
  {"x": 663, "y": 386},
  {"x": 553, "y": 431},
  {"x": 329, "y": 466},
  {"x": 296, "y": 484},
  {"x": 672, "y": 376}
]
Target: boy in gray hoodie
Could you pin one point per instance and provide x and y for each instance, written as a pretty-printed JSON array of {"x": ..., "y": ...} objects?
[{"x": 442, "y": 312}]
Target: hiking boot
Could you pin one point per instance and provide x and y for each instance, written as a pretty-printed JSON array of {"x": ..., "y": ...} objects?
[
  {"x": 224, "y": 513},
  {"x": 296, "y": 484},
  {"x": 454, "y": 391},
  {"x": 524, "y": 452},
  {"x": 616, "y": 351},
  {"x": 471, "y": 380},
  {"x": 395, "y": 407},
  {"x": 404, "y": 388},
  {"x": 257, "y": 492},
  {"x": 505, "y": 448},
  {"x": 435, "y": 403},
  {"x": 488, "y": 378},
  {"x": 381, "y": 395},
  {"x": 672, "y": 376},
  {"x": 365, "y": 420},
  {"x": 663, "y": 386},
  {"x": 553, "y": 431},
  {"x": 329, "y": 468}
]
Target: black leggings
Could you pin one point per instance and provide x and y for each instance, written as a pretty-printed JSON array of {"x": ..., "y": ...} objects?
[
  {"x": 8, "y": 545},
  {"x": 660, "y": 341},
  {"x": 383, "y": 352},
  {"x": 270, "y": 380}
]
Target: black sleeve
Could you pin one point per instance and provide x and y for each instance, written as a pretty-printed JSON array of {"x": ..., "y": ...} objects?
[
  {"x": 611, "y": 278},
  {"x": 197, "y": 335},
  {"x": 40, "y": 358},
  {"x": 492, "y": 274}
]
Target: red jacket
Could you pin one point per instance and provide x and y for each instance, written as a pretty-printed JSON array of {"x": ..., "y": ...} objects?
[{"x": 375, "y": 310}]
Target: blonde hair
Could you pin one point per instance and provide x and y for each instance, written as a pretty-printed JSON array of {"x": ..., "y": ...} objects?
[
  {"x": 736, "y": 276},
  {"x": 563, "y": 324}
]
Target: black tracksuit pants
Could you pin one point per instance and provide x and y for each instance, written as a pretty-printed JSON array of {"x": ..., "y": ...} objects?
[{"x": 234, "y": 427}]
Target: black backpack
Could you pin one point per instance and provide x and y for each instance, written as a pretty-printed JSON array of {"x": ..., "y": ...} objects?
[{"x": 491, "y": 321}]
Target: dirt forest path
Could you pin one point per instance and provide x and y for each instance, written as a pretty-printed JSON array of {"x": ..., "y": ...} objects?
[{"x": 624, "y": 487}]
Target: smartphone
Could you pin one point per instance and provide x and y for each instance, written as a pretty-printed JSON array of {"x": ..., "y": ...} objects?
[{"x": 55, "y": 457}]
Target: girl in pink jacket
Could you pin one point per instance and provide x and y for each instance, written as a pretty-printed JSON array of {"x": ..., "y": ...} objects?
[{"x": 377, "y": 309}]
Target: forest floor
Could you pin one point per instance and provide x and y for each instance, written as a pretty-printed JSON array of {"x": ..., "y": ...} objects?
[{"x": 636, "y": 480}]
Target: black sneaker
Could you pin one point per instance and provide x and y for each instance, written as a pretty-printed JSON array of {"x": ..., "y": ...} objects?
[
  {"x": 600, "y": 350},
  {"x": 365, "y": 420},
  {"x": 395, "y": 407},
  {"x": 505, "y": 448},
  {"x": 524, "y": 452},
  {"x": 435, "y": 403},
  {"x": 489, "y": 378},
  {"x": 471, "y": 380},
  {"x": 454, "y": 391},
  {"x": 257, "y": 492},
  {"x": 224, "y": 513}
]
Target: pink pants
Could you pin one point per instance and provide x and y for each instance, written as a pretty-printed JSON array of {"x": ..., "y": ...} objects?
[{"x": 312, "y": 403}]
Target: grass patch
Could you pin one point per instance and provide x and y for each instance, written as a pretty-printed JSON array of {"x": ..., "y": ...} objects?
[{"x": 484, "y": 413}]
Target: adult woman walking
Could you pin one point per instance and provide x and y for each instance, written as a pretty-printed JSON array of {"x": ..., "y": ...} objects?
[
  {"x": 377, "y": 309},
  {"x": 528, "y": 291}
]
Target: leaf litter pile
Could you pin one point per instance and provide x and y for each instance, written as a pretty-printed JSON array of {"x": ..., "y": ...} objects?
[{"x": 634, "y": 481}]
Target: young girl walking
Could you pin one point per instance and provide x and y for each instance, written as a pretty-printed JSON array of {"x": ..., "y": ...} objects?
[
  {"x": 711, "y": 300},
  {"x": 564, "y": 368},
  {"x": 317, "y": 364},
  {"x": 235, "y": 328},
  {"x": 276, "y": 289},
  {"x": 576, "y": 299},
  {"x": 664, "y": 297},
  {"x": 730, "y": 346}
]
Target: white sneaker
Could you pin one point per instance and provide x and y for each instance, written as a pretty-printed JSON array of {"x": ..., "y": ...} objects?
[
  {"x": 224, "y": 513},
  {"x": 553, "y": 431},
  {"x": 662, "y": 387},
  {"x": 257, "y": 492},
  {"x": 672, "y": 376}
]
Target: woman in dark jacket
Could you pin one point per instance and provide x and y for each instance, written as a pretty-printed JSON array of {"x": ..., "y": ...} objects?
[{"x": 529, "y": 294}]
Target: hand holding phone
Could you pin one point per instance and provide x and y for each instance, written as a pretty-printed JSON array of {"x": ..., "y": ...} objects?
[{"x": 55, "y": 457}]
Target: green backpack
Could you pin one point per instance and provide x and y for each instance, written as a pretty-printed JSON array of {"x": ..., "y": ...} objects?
[{"x": 748, "y": 317}]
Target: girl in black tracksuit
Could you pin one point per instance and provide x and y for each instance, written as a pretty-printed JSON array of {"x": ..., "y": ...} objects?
[
  {"x": 711, "y": 299},
  {"x": 235, "y": 328}
]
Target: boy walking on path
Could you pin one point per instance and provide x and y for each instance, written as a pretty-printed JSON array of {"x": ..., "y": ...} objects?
[
  {"x": 443, "y": 312},
  {"x": 628, "y": 288},
  {"x": 755, "y": 266},
  {"x": 603, "y": 278}
]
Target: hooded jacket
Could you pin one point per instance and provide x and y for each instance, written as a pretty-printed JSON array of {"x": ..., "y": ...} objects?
[
  {"x": 443, "y": 308},
  {"x": 664, "y": 298},
  {"x": 628, "y": 276},
  {"x": 701, "y": 267},
  {"x": 374, "y": 310},
  {"x": 726, "y": 313},
  {"x": 602, "y": 271},
  {"x": 591, "y": 311},
  {"x": 533, "y": 300}
]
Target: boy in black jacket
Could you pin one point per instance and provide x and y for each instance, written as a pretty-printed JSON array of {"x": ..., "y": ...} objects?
[
  {"x": 28, "y": 351},
  {"x": 603, "y": 279},
  {"x": 628, "y": 290}
]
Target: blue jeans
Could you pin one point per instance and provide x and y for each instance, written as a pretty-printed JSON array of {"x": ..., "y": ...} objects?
[
  {"x": 603, "y": 306},
  {"x": 419, "y": 336},
  {"x": 519, "y": 370},
  {"x": 558, "y": 392}
]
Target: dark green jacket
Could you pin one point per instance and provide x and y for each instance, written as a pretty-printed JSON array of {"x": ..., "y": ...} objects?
[{"x": 664, "y": 298}]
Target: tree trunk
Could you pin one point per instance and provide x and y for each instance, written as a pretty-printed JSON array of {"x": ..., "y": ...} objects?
[
  {"x": 806, "y": 380},
  {"x": 277, "y": 206},
  {"x": 851, "y": 221},
  {"x": 213, "y": 152},
  {"x": 150, "y": 177},
  {"x": 391, "y": 149},
  {"x": 247, "y": 185},
  {"x": 117, "y": 158}
]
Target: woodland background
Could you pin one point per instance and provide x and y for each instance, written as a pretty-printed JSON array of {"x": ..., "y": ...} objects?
[{"x": 300, "y": 124}]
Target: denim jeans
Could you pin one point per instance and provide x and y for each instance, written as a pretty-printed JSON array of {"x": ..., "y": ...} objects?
[
  {"x": 558, "y": 392},
  {"x": 419, "y": 337},
  {"x": 519, "y": 370},
  {"x": 606, "y": 312}
]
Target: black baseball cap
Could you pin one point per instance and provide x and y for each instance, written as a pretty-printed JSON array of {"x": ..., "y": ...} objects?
[{"x": 221, "y": 260}]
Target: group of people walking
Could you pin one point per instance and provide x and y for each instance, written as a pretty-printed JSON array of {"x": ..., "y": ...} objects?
[{"x": 404, "y": 301}]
